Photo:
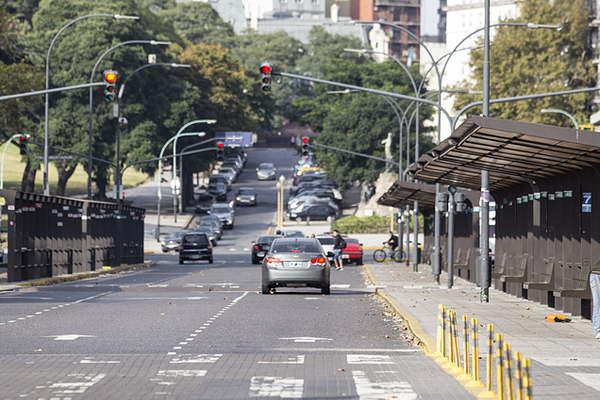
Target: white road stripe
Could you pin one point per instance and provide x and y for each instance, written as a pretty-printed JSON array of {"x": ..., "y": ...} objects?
[
  {"x": 172, "y": 373},
  {"x": 274, "y": 386},
  {"x": 299, "y": 359},
  {"x": 340, "y": 286},
  {"x": 591, "y": 380},
  {"x": 307, "y": 339},
  {"x": 367, "y": 390},
  {"x": 368, "y": 359},
  {"x": 91, "y": 361},
  {"x": 196, "y": 359},
  {"x": 76, "y": 387},
  {"x": 569, "y": 362}
]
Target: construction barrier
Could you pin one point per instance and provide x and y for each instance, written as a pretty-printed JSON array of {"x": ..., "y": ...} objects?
[{"x": 459, "y": 348}]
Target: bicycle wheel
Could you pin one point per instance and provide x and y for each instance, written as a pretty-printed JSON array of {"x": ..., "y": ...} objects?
[
  {"x": 379, "y": 255},
  {"x": 397, "y": 255}
]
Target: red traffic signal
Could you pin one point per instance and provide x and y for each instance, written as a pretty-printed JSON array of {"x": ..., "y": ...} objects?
[
  {"x": 266, "y": 71},
  {"x": 23, "y": 140},
  {"x": 305, "y": 139},
  {"x": 110, "y": 79},
  {"x": 305, "y": 146},
  {"x": 220, "y": 145}
]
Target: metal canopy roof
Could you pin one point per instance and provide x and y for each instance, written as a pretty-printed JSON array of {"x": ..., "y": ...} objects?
[
  {"x": 404, "y": 193},
  {"x": 513, "y": 152}
]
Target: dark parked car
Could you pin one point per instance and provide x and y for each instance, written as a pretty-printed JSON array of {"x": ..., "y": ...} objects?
[
  {"x": 195, "y": 247},
  {"x": 218, "y": 190},
  {"x": 219, "y": 178},
  {"x": 261, "y": 247},
  {"x": 316, "y": 212},
  {"x": 172, "y": 242},
  {"x": 204, "y": 202}
]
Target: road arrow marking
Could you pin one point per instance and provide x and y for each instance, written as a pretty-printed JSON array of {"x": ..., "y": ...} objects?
[{"x": 368, "y": 359}]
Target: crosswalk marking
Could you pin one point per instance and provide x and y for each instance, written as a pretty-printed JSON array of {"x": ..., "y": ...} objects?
[
  {"x": 172, "y": 373},
  {"x": 196, "y": 359},
  {"x": 368, "y": 390},
  {"x": 368, "y": 359},
  {"x": 299, "y": 359},
  {"x": 274, "y": 386}
]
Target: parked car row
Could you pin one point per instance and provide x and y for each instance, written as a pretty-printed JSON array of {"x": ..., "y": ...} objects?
[
  {"x": 214, "y": 212},
  {"x": 314, "y": 196}
]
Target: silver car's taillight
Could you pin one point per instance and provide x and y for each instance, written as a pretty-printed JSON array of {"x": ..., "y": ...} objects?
[
  {"x": 273, "y": 262},
  {"x": 318, "y": 261}
]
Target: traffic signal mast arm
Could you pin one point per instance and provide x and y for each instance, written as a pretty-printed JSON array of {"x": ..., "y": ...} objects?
[{"x": 53, "y": 90}]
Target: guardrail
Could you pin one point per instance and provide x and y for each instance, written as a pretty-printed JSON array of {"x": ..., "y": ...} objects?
[
  {"x": 52, "y": 235},
  {"x": 512, "y": 371}
]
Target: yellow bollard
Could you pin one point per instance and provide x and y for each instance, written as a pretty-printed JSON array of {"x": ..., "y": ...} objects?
[
  {"x": 508, "y": 367},
  {"x": 519, "y": 375},
  {"x": 499, "y": 367},
  {"x": 450, "y": 336},
  {"x": 455, "y": 340},
  {"x": 441, "y": 331},
  {"x": 475, "y": 352},
  {"x": 490, "y": 357},
  {"x": 527, "y": 382},
  {"x": 466, "y": 360}
]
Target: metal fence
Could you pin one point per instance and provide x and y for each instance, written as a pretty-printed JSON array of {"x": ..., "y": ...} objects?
[{"x": 51, "y": 235}]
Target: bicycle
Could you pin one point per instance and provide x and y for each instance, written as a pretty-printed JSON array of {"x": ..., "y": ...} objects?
[{"x": 381, "y": 255}]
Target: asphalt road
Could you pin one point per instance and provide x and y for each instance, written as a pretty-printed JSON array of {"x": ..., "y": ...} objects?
[{"x": 203, "y": 332}]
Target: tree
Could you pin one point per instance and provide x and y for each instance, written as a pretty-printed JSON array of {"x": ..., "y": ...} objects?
[{"x": 541, "y": 60}]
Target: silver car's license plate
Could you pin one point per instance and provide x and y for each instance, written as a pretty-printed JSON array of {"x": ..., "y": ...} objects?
[{"x": 295, "y": 264}]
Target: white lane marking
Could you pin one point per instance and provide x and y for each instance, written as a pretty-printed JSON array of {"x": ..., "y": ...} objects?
[
  {"x": 569, "y": 362},
  {"x": 246, "y": 249},
  {"x": 591, "y": 380},
  {"x": 172, "y": 373},
  {"x": 240, "y": 262},
  {"x": 182, "y": 343},
  {"x": 274, "y": 386},
  {"x": 299, "y": 359},
  {"x": 368, "y": 359},
  {"x": 157, "y": 285},
  {"x": 165, "y": 383},
  {"x": 342, "y": 350},
  {"x": 196, "y": 359},
  {"x": 70, "y": 336},
  {"x": 232, "y": 249},
  {"x": 340, "y": 286},
  {"x": 77, "y": 387},
  {"x": 367, "y": 390},
  {"x": 193, "y": 285},
  {"x": 171, "y": 353},
  {"x": 307, "y": 339},
  {"x": 311, "y": 298},
  {"x": 90, "y": 360}
]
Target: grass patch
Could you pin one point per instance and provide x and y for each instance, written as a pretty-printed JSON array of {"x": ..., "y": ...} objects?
[
  {"x": 353, "y": 224},
  {"x": 14, "y": 166}
]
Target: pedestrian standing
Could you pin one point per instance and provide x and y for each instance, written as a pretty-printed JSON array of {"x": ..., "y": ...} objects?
[
  {"x": 338, "y": 246},
  {"x": 595, "y": 288}
]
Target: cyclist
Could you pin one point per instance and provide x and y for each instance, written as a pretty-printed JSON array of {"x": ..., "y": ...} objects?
[{"x": 392, "y": 242}]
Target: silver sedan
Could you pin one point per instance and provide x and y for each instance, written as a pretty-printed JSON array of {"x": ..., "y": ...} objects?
[{"x": 295, "y": 262}]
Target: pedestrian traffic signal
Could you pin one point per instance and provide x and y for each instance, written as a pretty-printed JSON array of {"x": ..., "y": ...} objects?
[
  {"x": 220, "y": 151},
  {"x": 110, "y": 80},
  {"x": 23, "y": 140},
  {"x": 266, "y": 70},
  {"x": 305, "y": 146}
]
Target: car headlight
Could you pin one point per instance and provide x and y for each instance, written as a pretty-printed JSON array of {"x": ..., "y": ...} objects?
[{"x": 238, "y": 198}]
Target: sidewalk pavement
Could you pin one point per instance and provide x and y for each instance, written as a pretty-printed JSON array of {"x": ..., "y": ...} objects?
[
  {"x": 167, "y": 226},
  {"x": 565, "y": 356}
]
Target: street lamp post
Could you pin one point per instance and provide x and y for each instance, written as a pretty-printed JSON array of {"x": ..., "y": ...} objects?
[
  {"x": 175, "y": 179},
  {"x": 183, "y": 153},
  {"x": 565, "y": 113},
  {"x": 159, "y": 176},
  {"x": 91, "y": 101},
  {"x": 47, "y": 100}
]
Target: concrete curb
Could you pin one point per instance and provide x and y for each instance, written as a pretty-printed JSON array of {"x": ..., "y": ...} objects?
[
  {"x": 84, "y": 275},
  {"x": 426, "y": 341}
]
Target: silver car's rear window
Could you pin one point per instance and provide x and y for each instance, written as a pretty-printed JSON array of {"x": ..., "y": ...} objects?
[{"x": 295, "y": 246}]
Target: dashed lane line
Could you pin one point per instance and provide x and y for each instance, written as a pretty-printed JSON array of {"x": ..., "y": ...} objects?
[{"x": 56, "y": 307}]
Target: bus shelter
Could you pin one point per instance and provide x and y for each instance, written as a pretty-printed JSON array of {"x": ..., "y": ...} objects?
[
  {"x": 545, "y": 182},
  {"x": 466, "y": 225}
]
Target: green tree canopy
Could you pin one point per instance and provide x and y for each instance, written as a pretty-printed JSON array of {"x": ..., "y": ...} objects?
[{"x": 539, "y": 60}]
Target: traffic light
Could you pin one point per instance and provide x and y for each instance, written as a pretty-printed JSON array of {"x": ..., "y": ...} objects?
[
  {"x": 305, "y": 146},
  {"x": 220, "y": 151},
  {"x": 23, "y": 140},
  {"x": 110, "y": 90},
  {"x": 266, "y": 70}
]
